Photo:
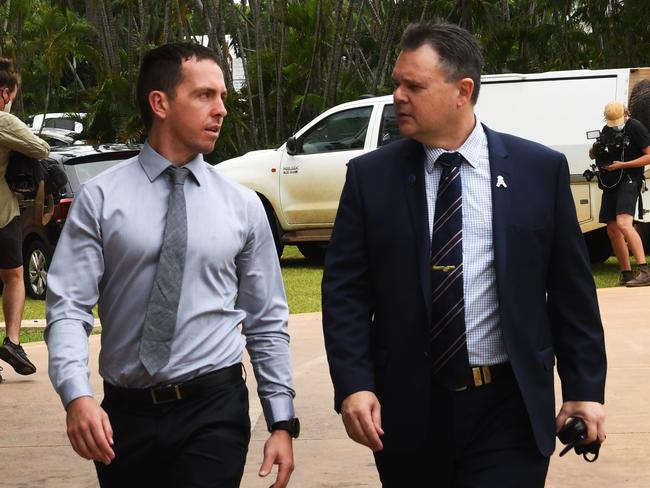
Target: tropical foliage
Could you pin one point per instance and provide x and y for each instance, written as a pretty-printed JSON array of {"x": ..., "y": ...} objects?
[{"x": 299, "y": 57}]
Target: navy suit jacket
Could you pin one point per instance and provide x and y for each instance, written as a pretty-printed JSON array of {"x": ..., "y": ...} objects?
[{"x": 376, "y": 286}]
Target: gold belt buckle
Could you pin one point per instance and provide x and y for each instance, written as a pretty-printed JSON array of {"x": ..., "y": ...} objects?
[
  {"x": 481, "y": 375},
  {"x": 476, "y": 373}
]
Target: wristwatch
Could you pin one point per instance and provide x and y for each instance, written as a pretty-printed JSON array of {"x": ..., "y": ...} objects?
[{"x": 292, "y": 426}]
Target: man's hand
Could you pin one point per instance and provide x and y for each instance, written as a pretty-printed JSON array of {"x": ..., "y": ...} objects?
[
  {"x": 89, "y": 430},
  {"x": 362, "y": 419},
  {"x": 592, "y": 413},
  {"x": 278, "y": 449},
  {"x": 614, "y": 166}
]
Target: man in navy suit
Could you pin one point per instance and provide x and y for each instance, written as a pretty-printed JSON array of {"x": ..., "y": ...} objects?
[{"x": 478, "y": 410}]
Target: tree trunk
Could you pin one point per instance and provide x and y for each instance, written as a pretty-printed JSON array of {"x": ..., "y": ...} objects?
[
  {"x": 259, "y": 47},
  {"x": 144, "y": 28},
  {"x": 424, "y": 10},
  {"x": 332, "y": 56},
  {"x": 5, "y": 26},
  {"x": 395, "y": 17},
  {"x": 111, "y": 36},
  {"x": 319, "y": 10},
  {"x": 75, "y": 75},
  {"x": 20, "y": 21},
  {"x": 129, "y": 48},
  {"x": 167, "y": 8},
  {"x": 251, "y": 107},
  {"x": 339, "y": 64},
  {"x": 48, "y": 90},
  {"x": 279, "y": 106}
]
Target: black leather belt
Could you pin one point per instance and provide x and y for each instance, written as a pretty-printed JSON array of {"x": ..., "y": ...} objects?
[
  {"x": 478, "y": 376},
  {"x": 176, "y": 391}
]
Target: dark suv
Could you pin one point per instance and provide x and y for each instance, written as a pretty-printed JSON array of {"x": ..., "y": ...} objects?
[{"x": 80, "y": 163}]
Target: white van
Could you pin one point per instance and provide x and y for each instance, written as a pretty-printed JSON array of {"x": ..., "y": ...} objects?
[
  {"x": 300, "y": 182},
  {"x": 67, "y": 121}
]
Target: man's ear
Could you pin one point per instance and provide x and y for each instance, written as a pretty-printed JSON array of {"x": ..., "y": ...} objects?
[
  {"x": 465, "y": 91},
  {"x": 159, "y": 103}
]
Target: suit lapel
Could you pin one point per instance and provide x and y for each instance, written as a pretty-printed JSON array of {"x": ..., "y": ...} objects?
[
  {"x": 414, "y": 187},
  {"x": 500, "y": 170}
]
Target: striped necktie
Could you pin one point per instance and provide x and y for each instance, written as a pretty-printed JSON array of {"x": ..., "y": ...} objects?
[{"x": 448, "y": 336}]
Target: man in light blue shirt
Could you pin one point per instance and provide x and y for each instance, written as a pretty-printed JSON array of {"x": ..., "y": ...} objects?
[{"x": 184, "y": 422}]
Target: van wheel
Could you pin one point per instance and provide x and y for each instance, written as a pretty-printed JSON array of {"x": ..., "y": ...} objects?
[
  {"x": 36, "y": 262},
  {"x": 313, "y": 251},
  {"x": 598, "y": 245}
]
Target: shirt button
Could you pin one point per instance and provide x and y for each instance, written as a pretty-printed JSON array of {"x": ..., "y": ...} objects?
[{"x": 426, "y": 354}]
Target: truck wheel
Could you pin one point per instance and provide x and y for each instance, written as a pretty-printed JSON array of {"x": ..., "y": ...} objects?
[
  {"x": 273, "y": 223},
  {"x": 598, "y": 245},
  {"x": 36, "y": 262},
  {"x": 313, "y": 251}
]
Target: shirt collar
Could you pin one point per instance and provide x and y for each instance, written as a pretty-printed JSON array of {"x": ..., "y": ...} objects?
[
  {"x": 154, "y": 164},
  {"x": 470, "y": 149}
]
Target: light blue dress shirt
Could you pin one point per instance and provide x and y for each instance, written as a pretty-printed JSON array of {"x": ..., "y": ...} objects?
[
  {"x": 232, "y": 292},
  {"x": 485, "y": 344}
]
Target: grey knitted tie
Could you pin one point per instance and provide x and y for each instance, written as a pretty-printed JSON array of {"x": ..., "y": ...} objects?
[{"x": 160, "y": 319}]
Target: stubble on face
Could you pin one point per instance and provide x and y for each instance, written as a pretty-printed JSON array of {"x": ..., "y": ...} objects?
[{"x": 195, "y": 112}]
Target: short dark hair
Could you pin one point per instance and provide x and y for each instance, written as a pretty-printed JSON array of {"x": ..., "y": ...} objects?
[
  {"x": 162, "y": 70},
  {"x": 9, "y": 77},
  {"x": 459, "y": 51}
]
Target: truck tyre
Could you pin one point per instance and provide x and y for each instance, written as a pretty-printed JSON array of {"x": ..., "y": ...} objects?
[
  {"x": 313, "y": 251},
  {"x": 273, "y": 223},
  {"x": 598, "y": 245},
  {"x": 36, "y": 262}
]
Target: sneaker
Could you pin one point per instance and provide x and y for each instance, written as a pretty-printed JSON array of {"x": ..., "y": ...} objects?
[
  {"x": 626, "y": 276},
  {"x": 15, "y": 355},
  {"x": 642, "y": 279}
]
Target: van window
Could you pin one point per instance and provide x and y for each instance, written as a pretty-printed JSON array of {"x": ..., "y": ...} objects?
[
  {"x": 342, "y": 131},
  {"x": 59, "y": 123},
  {"x": 389, "y": 129}
]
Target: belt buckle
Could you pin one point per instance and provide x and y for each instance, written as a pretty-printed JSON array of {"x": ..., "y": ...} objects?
[
  {"x": 481, "y": 375},
  {"x": 165, "y": 394}
]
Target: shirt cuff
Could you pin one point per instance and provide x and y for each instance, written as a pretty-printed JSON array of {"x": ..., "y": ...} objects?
[
  {"x": 74, "y": 388},
  {"x": 278, "y": 408}
]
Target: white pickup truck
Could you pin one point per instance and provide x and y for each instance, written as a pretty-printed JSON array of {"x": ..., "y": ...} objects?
[{"x": 300, "y": 182}]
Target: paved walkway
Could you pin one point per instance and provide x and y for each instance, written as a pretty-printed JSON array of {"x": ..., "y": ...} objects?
[{"x": 34, "y": 451}]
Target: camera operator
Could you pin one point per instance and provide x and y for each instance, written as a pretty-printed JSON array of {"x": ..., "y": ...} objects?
[
  {"x": 619, "y": 201},
  {"x": 14, "y": 136}
]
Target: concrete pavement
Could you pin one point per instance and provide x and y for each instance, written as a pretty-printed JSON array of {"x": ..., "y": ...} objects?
[{"x": 34, "y": 451}]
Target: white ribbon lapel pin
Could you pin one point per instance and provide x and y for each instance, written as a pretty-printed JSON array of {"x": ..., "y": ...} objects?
[{"x": 501, "y": 182}]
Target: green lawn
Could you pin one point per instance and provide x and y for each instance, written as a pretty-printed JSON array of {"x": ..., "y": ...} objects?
[{"x": 302, "y": 282}]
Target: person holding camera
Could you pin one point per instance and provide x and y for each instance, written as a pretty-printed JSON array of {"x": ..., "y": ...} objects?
[
  {"x": 621, "y": 153},
  {"x": 14, "y": 136}
]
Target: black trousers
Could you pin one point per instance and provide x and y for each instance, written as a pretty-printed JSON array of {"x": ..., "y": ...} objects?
[
  {"x": 478, "y": 438},
  {"x": 200, "y": 441}
]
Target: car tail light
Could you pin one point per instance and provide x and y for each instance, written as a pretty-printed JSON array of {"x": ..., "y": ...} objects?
[{"x": 61, "y": 210}]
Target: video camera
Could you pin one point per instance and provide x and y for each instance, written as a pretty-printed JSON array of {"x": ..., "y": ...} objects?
[{"x": 609, "y": 146}]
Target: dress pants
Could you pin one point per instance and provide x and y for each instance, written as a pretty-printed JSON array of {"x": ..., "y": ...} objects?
[
  {"x": 200, "y": 441},
  {"x": 478, "y": 438}
]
